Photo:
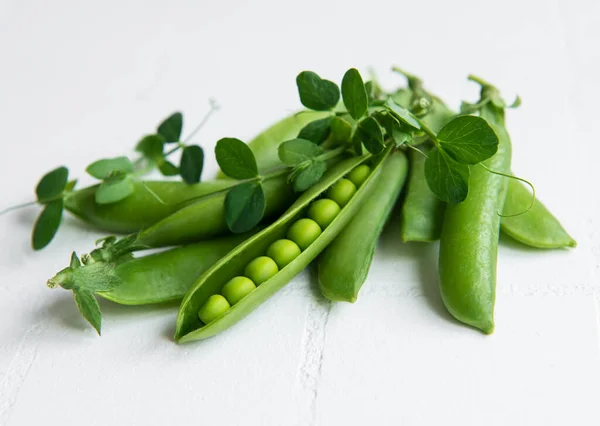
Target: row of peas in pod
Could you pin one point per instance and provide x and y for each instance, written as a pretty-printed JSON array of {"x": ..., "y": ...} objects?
[{"x": 300, "y": 235}]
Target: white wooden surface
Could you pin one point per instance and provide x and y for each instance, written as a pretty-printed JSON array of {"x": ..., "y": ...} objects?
[{"x": 83, "y": 80}]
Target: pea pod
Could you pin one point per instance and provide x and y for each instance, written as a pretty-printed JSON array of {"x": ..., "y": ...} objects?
[
  {"x": 469, "y": 240},
  {"x": 345, "y": 263},
  {"x": 205, "y": 217},
  {"x": 264, "y": 145},
  {"x": 167, "y": 276},
  {"x": 537, "y": 227},
  {"x": 422, "y": 211},
  {"x": 190, "y": 328},
  {"x": 141, "y": 209}
]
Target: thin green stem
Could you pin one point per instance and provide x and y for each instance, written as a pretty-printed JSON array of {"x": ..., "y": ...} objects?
[
  {"x": 18, "y": 206},
  {"x": 413, "y": 81},
  {"x": 429, "y": 132},
  {"x": 333, "y": 153},
  {"x": 213, "y": 108}
]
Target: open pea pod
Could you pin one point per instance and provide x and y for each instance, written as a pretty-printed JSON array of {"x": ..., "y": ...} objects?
[{"x": 189, "y": 327}]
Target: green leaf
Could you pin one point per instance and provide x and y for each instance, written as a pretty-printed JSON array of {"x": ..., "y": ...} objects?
[
  {"x": 75, "y": 262},
  {"x": 192, "y": 162},
  {"x": 402, "y": 114},
  {"x": 89, "y": 308},
  {"x": 371, "y": 135},
  {"x": 316, "y": 131},
  {"x": 446, "y": 178},
  {"x": 297, "y": 151},
  {"x": 341, "y": 130},
  {"x": 104, "y": 168},
  {"x": 357, "y": 145},
  {"x": 113, "y": 189},
  {"x": 151, "y": 146},
  {"x": 316, "y": 93},
  {"x": 244, "y": 206},
  {"x": 96, "y": 277},
  {"x": 468, "y": 139},
  {"x": 308, "y": 176},
  {"x": 236, "y": 159},
  {"x": 166, "y": 168},
  {"x": 354, "y": 94},
  {"x": 52, "y": 184},
  {"x": 47, "y": 224},
  {"x": 170, "y": 128}
]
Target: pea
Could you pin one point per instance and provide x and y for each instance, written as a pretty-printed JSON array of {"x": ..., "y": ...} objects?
[
  {"x": 341, "y": 191},
  {"x": 215, "y": 306},
  {"x": 323, "y": 211},
  {"x": 359, "y": 174},
  {"x": 283, "y": 252},
  {"x": 304, "y": 232},
  {"x": 237, "y": 288},
  {"x": 261, "y": 269}
]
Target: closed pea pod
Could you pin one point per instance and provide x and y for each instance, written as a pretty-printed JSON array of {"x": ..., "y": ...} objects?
[
  {"x": 469, "y": 240},
  {"x": 188, "y": 326},
  {"x": 422, "y": 211},
  {"x": 344, "y": 264},
  {"x": 205, "y": 217},
  {"x": 536, "y": 227},
  {"x": 161, "y": 277},
  {"x": 140, "y": 209}
]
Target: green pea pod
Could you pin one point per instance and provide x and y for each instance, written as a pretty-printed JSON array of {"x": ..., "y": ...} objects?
[
  {"x": 205, "y": 217},
  {"x": 264, "y": 145},
  {"x": 422, "y": 211},
  {"x": 345, "y": 263},
  {"x": 190, "y": 328},
  {"x": 166, "y": 277},
  {"x": 536, "y": 228},
  {"x": 141, "y": 209},
  {"x": 469, "y": 241}
]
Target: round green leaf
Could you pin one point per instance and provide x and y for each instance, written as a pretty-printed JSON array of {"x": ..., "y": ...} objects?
[
  {"x": 103, "y": 169},
  {"x": 371, "y": 135},
  {"x": 151, "y": 146},
  {"x": 316, "y": 93},
  {"x": 47, "y": 224},
  {"x": 468, "y": 139},
  {"x": 167, "y": 168},
  {"x": 170, "y": 128},
  {"x": 236, "y": 159},
  {"x": 354, "y": 94},
  {"x": 244, "y": 206},
  {"x": 297, "y": 151},
  {"x": 308, "y": 176},
  {"x": 446, "y": 178},
  {"x": 192, "y": 162},
  {"x": 316, "y": 131},
  {"x": 114, "y": 189},
  {"x": 52, "y": 184}
]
